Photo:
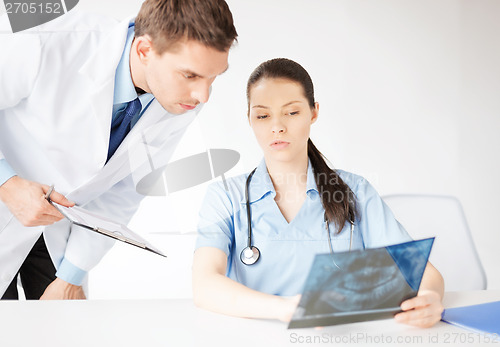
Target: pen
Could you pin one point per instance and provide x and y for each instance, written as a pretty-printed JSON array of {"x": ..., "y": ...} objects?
[{"x": 47, "y": 196}]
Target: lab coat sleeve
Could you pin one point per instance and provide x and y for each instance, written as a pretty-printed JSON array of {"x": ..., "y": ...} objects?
[
  {"x": 19, "y": 64},
  {"x": 216, "y": 220},
  {"x": 85, "y": 249},
  {"x": 378, "y": 225}
]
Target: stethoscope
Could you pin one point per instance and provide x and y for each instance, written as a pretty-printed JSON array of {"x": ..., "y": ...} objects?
[{"x": 251, "y": 254}]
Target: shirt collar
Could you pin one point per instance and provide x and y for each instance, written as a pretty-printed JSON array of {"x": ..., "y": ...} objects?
[
  {"x": 261, "y": 184},
  {"x": 124, "y": 87},
  {"x": 311, "y": 180}
]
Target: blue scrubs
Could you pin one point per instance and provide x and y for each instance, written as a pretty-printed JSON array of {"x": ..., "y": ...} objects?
[{"x": 287, "y": 249}]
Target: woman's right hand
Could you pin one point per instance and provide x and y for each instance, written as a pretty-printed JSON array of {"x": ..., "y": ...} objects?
[
  {"x": 214, "y": 291},
  {"x": 287, "y": 307}
]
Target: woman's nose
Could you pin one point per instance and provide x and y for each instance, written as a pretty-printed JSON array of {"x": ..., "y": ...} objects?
[{"x": 278, "y": 128}]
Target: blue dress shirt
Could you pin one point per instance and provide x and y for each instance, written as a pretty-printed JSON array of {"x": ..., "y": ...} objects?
[
  {"x": 6, "y": 171},
  {"x": 124, "y": 87},
  {"x": 287, "y": 249}
]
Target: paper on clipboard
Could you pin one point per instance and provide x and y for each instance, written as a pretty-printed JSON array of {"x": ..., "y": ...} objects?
[{"x": 105, "y": 226}]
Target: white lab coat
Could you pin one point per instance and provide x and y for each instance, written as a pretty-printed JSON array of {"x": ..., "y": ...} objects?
[{"x": 56, "y": 95}]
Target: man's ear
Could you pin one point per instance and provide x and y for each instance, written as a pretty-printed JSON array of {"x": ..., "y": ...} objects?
[
  {"x": 143, "y": 47},
  {"x": 315, "y": 113}
]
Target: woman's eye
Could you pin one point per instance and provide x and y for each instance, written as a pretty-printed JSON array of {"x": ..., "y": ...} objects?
[
  {"x": 293, "y": 113},
  {"x": 189, "y": 76},
  {"x": 262, "y": 116}
]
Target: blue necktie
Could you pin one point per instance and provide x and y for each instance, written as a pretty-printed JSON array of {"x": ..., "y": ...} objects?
[{"x": 121, "y": 126}]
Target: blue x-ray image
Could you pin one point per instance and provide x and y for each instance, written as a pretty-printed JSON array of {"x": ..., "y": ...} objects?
[{"x": 361, "y": 285}]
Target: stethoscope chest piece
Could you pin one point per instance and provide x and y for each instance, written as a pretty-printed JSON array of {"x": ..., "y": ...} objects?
[{"x": 249, "y": 255}]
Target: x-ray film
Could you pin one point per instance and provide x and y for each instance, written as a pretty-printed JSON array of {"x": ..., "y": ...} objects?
[{"x": 361, "y": 285}]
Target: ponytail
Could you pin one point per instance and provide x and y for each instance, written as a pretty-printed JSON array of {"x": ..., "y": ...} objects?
[{"x": 336, "y": 196}]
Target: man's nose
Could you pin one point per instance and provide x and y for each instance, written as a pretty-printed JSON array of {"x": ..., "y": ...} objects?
[{"x": 202, "y": 92}]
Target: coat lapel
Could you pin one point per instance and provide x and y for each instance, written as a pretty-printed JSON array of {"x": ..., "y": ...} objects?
[
  {"x": 148, "y": 146},
  {"x": 100, "y": 71}
]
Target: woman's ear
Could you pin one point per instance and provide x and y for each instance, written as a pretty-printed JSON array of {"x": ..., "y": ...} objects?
[{"x": 315, "y": 113}]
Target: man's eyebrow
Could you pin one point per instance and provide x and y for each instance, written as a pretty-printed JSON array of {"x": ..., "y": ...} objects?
[{"x": 190, "y": 72}]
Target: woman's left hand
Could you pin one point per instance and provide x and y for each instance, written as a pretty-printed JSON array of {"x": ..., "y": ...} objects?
[{"x": 422, "y": 311}]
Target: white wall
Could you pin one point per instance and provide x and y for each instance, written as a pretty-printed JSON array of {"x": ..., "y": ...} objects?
[{"x": 409, "y": 97}]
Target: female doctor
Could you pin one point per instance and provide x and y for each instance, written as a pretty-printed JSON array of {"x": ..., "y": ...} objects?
[{"x": 298, "y": 207}]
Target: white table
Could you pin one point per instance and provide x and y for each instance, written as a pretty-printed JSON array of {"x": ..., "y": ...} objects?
[{"x": 179, "y": 323}]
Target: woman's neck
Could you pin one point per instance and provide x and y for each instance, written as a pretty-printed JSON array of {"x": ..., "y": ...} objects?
[
  {"x": 290, "y": 182},
  {"x": 288, "y": 174}
]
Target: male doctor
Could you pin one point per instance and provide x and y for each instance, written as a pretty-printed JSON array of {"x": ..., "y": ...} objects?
[{"x": 91, "y": 106}]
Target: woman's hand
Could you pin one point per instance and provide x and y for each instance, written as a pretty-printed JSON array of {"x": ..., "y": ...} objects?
[
  {"x": 287, "y": 307},
  {"x": 422, "y": 311}
]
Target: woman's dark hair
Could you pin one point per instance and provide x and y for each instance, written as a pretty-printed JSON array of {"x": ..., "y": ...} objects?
[{"x": 337, "y": 197}]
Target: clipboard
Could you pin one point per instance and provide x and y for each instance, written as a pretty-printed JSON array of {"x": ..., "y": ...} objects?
[
  {"x": 370, "y": 284},
  {"x": 104, "y": 226}
]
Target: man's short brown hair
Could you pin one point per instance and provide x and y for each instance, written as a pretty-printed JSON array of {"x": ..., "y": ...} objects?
[{"x": 209, "y": 22}]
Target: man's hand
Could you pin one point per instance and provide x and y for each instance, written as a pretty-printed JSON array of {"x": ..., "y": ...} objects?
[
  {"x": 422, "y": 311},
  {"x": 62, "y": 290},
  {"x": 26, "y": 200}
]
